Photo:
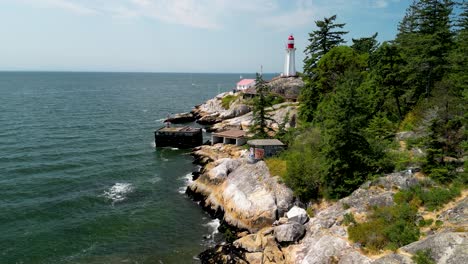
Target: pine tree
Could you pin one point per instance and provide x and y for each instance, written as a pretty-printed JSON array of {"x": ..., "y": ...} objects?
[
  {"x": 387, "y": 72},
  {"x": 348, "y": 154},
  {"x": 366, "y": 45},
  {"x": 321, "y": 41},
  {"x": 261, "y": 117},
  {"x": 426, "y": 40}
]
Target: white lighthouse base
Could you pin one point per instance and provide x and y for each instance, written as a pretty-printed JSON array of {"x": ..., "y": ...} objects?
[{"x": 289, "y": 64}]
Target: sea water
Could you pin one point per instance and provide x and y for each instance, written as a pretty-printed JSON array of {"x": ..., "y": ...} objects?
[{"x": 80, "y": 178}]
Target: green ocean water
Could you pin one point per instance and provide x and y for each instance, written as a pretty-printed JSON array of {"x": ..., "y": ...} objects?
[{"x": 80, "y": 178}]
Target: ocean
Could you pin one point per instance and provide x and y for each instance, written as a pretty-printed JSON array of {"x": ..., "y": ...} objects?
[{"x": 80, "y": 178}]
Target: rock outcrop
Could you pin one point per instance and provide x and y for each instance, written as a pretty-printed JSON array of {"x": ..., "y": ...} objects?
[
  {"x": 181, "y": 118},
  {"x": 278, "y": 114},
  {"x": 212, "y": 111},
  {"x": 289, "y": 87},
  {"x": 249, "y": 197}
]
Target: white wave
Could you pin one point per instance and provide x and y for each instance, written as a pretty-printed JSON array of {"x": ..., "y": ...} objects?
[
  {"x": 204, "y": 130},
  {"x": 118, "y": 192},
  {"x": 160, "y": 120},
  {"x": 145, "y": 110},
  {"x": 153, "y": 144},
  {"x": 174, "y": 148},
  {"x": 213, "y": 225},
  {"x": 155, "y": 179},
  {"x": 188, "y": 179}
]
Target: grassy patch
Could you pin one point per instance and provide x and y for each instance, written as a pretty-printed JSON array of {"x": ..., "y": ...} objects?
[
  {"x": 227, "y": 100},
  {"x": 423, "y": 257},
  {"x": 277, "y": 166},
  {"x": 432, "y": 198},
  {"x": 349, "y": 219},
  {"x": 388, "y": 227}
]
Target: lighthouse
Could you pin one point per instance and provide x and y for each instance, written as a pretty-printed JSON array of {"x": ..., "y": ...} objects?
[{"x": 290, "y": 64}]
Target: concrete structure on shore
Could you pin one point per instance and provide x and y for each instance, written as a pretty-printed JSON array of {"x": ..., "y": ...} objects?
[
  {"x": 178, "y": 137},
  {"x": 235, "y": 137},
  {"x": 265, "y": 147}
]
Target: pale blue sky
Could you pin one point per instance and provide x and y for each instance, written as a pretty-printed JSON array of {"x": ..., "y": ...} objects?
[{"x": 175, "y": 35}]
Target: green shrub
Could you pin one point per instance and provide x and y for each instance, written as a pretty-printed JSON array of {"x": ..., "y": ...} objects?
[
  {"x": 388, "y": 227},
  {"x": 277, "y": 166},
  {"x": 423, "y": 257},
  {"x": 401, "y": 159},
  {"x": 440, "y": 174},
  {"x": 275, "y": 99},
  {"x": 227, "y": 100},
  {"x": 432, "y": 198},
  {"x": 369, "y": 234},
  {"x": 425, "y": 222},
  {"x": 348, "y": 219}
]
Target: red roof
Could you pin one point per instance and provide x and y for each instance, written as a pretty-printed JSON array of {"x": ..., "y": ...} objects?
[
  {"x": 291, "y": 37},
  {"x": 245, "y": 81}
]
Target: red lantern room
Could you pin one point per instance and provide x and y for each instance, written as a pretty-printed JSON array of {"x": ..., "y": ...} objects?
[{"x": 291, "y": 42}]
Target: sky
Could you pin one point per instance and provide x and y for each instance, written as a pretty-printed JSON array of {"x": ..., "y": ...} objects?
[{"x": 237, "y": 36}]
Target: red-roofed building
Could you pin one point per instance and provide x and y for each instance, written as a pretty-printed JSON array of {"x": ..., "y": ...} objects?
[{"x": 245, "y": 84}]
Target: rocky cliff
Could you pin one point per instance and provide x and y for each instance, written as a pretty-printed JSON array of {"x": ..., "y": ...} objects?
[
  {"x": 246, "y": 193},
  {"x": 251, "y": 199}
]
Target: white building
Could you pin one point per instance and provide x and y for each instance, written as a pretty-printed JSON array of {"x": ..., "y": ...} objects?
[
  {"x": 245, "y": 84},
  {"x": 290, "y": 63}
]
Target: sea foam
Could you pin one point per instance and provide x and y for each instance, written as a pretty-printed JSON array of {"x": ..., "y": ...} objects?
[
  {"x": 188, "y": 179},
  {"x": 118, "y": 192}
]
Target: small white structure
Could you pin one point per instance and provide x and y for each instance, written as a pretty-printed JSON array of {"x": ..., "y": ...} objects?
[
  {"x": 290, "y": 62},
  {"x": 234, "y": 137},
  {"x": 245, "y": 84}
]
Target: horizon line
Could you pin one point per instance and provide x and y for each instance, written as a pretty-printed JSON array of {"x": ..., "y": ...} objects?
[{"x": 91, "y": 71}]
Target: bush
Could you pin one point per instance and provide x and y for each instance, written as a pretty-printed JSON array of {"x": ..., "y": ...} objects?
[
  {"x": 423, "y": 257},
  {"x": 432, "y": 198},
  {"x": 424, "y": 222},
  {"x": 277, "y": 166},
  {"x": 348, "y": 219},
  {"x": 304, "y": 164},
  {"x": 227, "y": 100},
  {"x": 388, "y": 227}
]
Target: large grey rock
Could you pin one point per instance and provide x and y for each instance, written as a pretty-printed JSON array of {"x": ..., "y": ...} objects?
[
  {"x": 288, "y": 87},
  {"x": 254, "y": 258},
  {"x": 325, "y": 249},
  {"x": 223, "y": 168},
  {"x": 457, "y": 215},
  {"x": 450, "y": 248},
  {"x": 354, "y": 257},
  {"x": 181, "y": 118},
  {"x": 289, "y": 232},
  {"x": 405, "y": 135},
  {"x": 399, "y": 180},
  {"x": 394, "y": 259},
  {"x": 246, "y": 193},
  {"x": 298, "y": 215},
  {"x": 235, "y": 111},
  {"x": 277, "y": 114},
  {"x": 251, "y": 243}
]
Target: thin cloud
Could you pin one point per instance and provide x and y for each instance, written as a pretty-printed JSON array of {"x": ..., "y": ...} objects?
[
  {"x": 302, "y": 13},
  {"x": 212, "y": 14},
  {"x": 66, "y": 5}
]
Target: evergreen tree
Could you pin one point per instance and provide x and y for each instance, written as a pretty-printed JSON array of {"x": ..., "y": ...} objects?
[
  {"x": 387, "y": 72},
  {"x": 261, "y": 117},
  {"x": 366, "y": 45},
  {"x": 348, "y": 154},
  {"x": 426, "y": 40},
  {"x": 328, "y": 35}
]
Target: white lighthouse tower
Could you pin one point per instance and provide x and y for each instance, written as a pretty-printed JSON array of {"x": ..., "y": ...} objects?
[{"x": 290, "y": 64}]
